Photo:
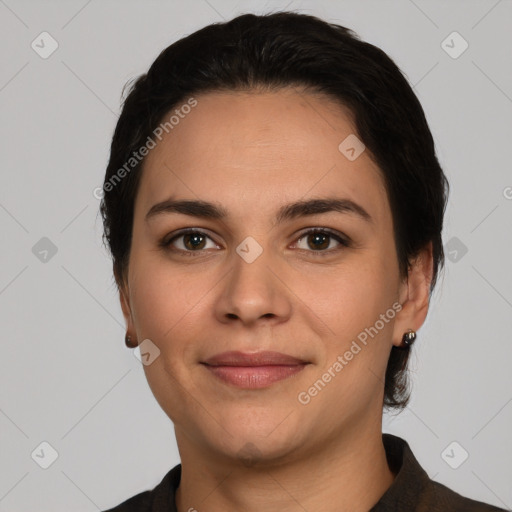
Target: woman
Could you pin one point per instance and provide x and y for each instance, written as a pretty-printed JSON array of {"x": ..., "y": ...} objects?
[{"x": 274, "y": 205}]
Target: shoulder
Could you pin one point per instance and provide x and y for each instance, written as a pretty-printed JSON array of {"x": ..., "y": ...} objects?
[
  {"x": 447, "y": 499},
  {"x": 139, "y": 503},
  {"x": 414, "y": 490},
  {"x": 160, "y": 499}
]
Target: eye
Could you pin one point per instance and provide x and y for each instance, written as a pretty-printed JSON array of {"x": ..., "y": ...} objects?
[
  {"x": 188, "y": 241},
  {"x": 319, "y": 240}
]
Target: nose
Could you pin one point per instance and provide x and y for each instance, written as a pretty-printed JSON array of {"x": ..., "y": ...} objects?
[{"x": 254, "y": 292}]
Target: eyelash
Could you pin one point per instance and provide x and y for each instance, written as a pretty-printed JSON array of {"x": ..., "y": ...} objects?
[{"x": 344, "y": 241}]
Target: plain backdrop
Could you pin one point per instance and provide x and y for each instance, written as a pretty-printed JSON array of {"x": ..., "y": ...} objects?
[{"x": 66, "y": 377}]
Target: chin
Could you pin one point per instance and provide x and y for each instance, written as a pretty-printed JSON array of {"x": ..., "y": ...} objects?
[
  {"x": 257, "y": 451},
  {"x": 254, "y": 438}
]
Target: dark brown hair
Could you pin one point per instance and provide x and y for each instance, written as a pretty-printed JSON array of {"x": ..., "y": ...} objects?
[{"x": 270, "y": 52}]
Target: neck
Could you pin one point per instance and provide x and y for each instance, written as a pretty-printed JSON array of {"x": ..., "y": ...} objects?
[{"x": 348, "y": 473}]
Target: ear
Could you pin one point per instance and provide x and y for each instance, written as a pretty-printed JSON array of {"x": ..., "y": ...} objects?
[
  {"x": 414, "y": 295},
  {"x": 124, "y": 297}
]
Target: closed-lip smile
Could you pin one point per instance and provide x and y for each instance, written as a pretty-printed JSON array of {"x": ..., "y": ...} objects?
[{"x": 253, "y": 370}]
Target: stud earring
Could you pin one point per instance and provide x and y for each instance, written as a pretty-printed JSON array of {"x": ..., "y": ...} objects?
[
  {"x": 128, "y": 341},
  {"x": 408, "y": 338}
]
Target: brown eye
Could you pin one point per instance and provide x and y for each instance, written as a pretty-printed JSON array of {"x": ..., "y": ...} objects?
[
  {"x": 194, "y": 241},
  {"x": 318, "y": 241},
  {"x": 188, "y": 241}
]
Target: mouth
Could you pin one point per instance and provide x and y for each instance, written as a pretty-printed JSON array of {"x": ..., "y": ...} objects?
[{"x": 253, "y": 371}]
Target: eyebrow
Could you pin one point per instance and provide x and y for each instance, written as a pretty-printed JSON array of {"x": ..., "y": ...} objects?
[{"x": 207, "y": 210}]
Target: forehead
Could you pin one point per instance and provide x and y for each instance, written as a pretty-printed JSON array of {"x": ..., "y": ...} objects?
[{"x": 248, "y": 149}]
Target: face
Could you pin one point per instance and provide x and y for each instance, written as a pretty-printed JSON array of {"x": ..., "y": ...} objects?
[{"x": 311, "y": 284}]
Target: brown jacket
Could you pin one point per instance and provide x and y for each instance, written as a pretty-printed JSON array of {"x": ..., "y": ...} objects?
[{"x": 411, "y": 491}]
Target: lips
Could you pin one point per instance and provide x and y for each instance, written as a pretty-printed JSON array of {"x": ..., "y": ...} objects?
[
  {"x": 253, "y": 371},
  {"x": 266, "y": 358}
]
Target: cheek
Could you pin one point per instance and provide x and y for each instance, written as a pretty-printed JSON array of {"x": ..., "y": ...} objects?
[
  {"x": 348, "y": 297},
  {"x": 347, "y": 303},
  {"x": 171, "y": 305},
  {"x": 356, "y": 347},
  {"x": 169, "y": 309}
]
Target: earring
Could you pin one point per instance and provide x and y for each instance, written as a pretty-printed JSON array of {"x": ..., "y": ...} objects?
[
  {"x": 408, "y": 338},
  {"x": 128, "y": 341}
]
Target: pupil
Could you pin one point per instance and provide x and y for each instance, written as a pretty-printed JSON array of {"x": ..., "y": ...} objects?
[
  {"x": 319, "y": 238},
  {"x": 195, "y": 239}
]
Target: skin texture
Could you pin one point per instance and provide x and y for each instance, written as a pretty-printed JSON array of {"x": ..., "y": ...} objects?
[{"x": 255, "y": 449}]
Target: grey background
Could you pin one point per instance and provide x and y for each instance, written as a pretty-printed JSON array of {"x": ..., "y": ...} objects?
[{"x": 66, "y": 376}]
